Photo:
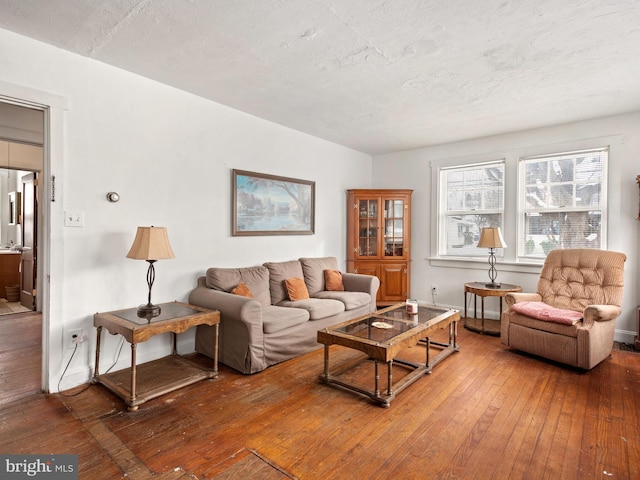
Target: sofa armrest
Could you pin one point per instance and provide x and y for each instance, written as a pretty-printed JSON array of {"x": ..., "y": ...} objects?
[
  {"x": 600, "y": 313},
  {"x": 511, "y": 298},
  {"x": 241, "y": 344},
  {"x": 357, "y": 282},
  {"x": 231, "y": 307}
]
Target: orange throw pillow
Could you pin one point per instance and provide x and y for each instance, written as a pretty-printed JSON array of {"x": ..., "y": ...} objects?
[
  {"x": 333, "y": 281},
  {"x": 242, "y": 290},
  {"x": 296, "y": 289}
]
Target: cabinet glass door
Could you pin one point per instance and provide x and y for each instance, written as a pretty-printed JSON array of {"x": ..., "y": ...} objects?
[
  {"x": 368, "y": 228},
  {"x": 394, "y": 228}
]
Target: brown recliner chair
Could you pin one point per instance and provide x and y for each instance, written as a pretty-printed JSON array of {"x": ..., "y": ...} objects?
[{"x": 547, "y": 324}]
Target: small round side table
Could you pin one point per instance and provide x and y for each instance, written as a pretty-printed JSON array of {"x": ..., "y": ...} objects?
[{"x": 483, "y": 325}]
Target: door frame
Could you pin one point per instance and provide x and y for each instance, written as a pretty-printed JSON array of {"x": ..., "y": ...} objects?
[{"x": 53, "y": 107}]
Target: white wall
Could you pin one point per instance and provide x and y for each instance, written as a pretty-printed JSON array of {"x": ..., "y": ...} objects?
[
  {"x": 169, "y": 155},
  {"x": 413, "y": 169}
]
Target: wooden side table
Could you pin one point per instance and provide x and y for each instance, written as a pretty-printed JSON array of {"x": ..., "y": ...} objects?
[
  {"x": 483, "y": 325},
  {"x": 159, "y": 376}
]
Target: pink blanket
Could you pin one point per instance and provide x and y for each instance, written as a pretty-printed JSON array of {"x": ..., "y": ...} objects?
[{"x": 542, "y": 311}]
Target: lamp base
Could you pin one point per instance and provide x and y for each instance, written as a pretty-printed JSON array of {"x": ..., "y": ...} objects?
[
  {"x": 492, "y": 285},
  {"x": 148, "y": 311}
]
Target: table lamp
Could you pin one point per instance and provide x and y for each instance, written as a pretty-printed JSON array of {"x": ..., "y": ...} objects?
[
  {"x": 151, "y": 244},
  {"x": 491, "y": 238}
]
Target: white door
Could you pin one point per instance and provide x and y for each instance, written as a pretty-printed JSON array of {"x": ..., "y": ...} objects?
[{"x": 28, "y": 264}]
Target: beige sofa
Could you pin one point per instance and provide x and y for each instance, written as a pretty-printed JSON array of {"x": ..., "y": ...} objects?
[{"x": 269, "y": 328}]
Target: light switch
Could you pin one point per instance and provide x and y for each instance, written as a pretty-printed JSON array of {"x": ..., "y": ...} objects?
[{"x": 73, "y": 218}]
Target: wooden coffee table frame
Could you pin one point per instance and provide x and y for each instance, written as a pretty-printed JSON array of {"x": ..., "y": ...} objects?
[{"x": 386, "y": 352}]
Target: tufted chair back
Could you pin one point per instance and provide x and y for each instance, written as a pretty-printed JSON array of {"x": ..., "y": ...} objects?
[{"x": 572, "y": 279}]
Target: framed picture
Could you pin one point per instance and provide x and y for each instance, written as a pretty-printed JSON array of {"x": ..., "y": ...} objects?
[{"x": 270, "y": 205}]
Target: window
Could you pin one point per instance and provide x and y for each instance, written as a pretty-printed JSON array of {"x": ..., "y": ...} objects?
[
  {"x": 471, "y": 197},
  {"x": 562, "y": 202}
]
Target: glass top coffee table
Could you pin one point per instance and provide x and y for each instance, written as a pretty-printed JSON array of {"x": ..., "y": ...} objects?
[{"x": 382, "y": 336}]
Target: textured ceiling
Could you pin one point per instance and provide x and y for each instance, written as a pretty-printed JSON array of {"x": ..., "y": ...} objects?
[{"x": 374, "y": 75}]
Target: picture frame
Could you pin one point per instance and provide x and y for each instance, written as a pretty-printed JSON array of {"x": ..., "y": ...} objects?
[{"x": 264, "y": 204}]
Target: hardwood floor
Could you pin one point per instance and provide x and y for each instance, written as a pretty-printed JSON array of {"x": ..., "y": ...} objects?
[
  {"x": 20, "y": 355},
  {"x": 485, "y": 412}
]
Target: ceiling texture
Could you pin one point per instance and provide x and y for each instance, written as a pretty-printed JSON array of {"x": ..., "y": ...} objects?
[{"x": 374, "y": 75}]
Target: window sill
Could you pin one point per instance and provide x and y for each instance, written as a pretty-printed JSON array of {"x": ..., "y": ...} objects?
[{"x": 481, "y": 264}]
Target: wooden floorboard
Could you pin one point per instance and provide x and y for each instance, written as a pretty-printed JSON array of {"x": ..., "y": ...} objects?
[
  {"x": 484, "y": 412},
  {"x": 20, "y": 355}
]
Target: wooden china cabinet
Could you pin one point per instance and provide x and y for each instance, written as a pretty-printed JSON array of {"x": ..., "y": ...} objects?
[{"x": 379, "y": 240}]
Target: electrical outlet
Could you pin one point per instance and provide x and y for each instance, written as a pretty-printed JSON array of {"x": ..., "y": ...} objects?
[
  {"x": 434, "y": 289},
  {"x": 74, "y": 337}
]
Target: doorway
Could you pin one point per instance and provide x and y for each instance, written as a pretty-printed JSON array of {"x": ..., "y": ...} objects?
[
  {"x": 22, "y": 146},
  {"x": 18, "y": 239}
]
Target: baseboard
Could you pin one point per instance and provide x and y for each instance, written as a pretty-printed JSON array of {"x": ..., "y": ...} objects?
[{"x": 625, "y": 336}]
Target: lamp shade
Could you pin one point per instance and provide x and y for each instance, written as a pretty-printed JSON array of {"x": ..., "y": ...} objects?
[
  {"x": 151, "y": 243},
  {"x": 491, "y": 237}
]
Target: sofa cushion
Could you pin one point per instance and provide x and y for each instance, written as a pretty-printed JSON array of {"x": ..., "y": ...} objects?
[
  {"x": 542, "y": 311},
  {"x": 276, "y": 318},
  {"x": 333, "y": 281},
  {"x": 351, "y": 300},
  {"x": 540, "y": 325},
  {"x": 573, "y": 279},
  {"x": 314, "y": 268},
  {"x": 242, "y": 290},
  {"x": 296, "y": 289},
  {"x": 278, "y": 273},
  {"x": 255, "y": 278},
  {"x": 317, "y": 308}
]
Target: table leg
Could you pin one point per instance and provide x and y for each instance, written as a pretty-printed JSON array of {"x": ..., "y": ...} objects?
[
  {"x": 482, "y": 302},
  {"x": 475, "y": 304},
  {"x": 389, "y": 377},
  {"x": 215, "y": 348},
  {"x": 451, "y": 339},
  {"x": 455, "y": 335},
  {"x": 96, "y": 373},
  {"x": 326, "y": 362},
  {"x": 175, "y": 343},
  {"x": 465, "y": 304},
  {"x": 133, "y": 376},
  {"x": 376, "y": 389}
]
